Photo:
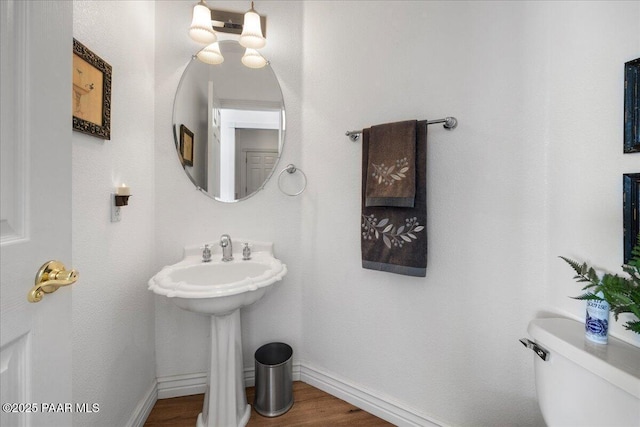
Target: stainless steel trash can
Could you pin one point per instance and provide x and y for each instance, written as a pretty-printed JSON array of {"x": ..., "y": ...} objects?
[{"x": 274, "y": 379}]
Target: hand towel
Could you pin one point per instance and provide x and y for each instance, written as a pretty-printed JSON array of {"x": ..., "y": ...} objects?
[
  {"x": 394, "y": 239},
  {"x": 391, "y": 165}
]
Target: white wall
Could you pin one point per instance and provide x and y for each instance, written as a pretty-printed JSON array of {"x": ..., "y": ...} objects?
[
  {"x": 532, "y": 171},
  {"x": 113, "y": 333},
  {"x": 184, "y": 216},
  {"x": 446, "y": 345}
]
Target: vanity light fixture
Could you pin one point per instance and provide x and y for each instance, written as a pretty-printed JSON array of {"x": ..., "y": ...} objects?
[
  {"x": 201, "y": 29},
  {"x": 249, "y": 29},
  {"x": 251, "y": 36}
]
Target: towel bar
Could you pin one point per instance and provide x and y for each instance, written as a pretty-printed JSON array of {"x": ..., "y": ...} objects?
[{"x": 449, "y": 124}]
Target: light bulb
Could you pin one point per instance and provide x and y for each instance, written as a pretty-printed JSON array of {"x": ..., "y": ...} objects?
[
  {"x": 211, "y": 54},
  {"x": 253, "y": 59},
  {"x": 201, "y": 30},
  {"x": 251, "y": 36}
]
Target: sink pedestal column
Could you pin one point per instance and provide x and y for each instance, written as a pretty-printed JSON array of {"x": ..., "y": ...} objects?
[{"x": 225, "y": 401}]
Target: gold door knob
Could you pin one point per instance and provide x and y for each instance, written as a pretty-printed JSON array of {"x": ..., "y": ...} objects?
[{"x": 50, "y": 277}]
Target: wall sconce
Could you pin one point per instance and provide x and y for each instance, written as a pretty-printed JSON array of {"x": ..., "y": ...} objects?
[
  {"x": 251, "y": 36},
  {"x": 201, "y": 29},
  {"x": 118, "y": 199},
  {"x": 248, "y": 28}
]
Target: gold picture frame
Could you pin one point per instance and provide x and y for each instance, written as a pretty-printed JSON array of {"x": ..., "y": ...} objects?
[
  {"x": 186, "y": 146},
  {"x": 91, "y": 93}
]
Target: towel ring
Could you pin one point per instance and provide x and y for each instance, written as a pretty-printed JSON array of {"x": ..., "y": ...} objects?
[{"x": 292, "y": 169}]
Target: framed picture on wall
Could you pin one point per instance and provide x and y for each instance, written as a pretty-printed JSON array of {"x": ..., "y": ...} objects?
[
  {"x": 631, "y": 214},
  {"x": 91, "y": 93},
  {"x": 186, "y": 145},
  {"x": 632, "y": 106}
]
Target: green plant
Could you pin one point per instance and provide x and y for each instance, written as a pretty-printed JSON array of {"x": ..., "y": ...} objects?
[{"x": 622, "y": 293}]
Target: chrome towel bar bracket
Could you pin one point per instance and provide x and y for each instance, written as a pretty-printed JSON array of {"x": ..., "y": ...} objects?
[{"x": 449, "y": 123}]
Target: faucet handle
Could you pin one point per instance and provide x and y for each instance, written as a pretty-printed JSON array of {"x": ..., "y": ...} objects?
[
  {"x": 206, "y": 253},
  {"x": 246, "y": 252}
]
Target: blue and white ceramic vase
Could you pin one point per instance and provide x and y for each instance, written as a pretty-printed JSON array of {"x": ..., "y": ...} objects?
[{"x": 596, "y": 324}]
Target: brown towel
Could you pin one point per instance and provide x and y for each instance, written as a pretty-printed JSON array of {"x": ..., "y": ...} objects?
[
  {"x": 394, "y": 239},
  {"x": 391, "y": 166}
]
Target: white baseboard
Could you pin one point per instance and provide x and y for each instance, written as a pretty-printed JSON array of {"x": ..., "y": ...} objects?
[
  {"x": 185, "y": 385},
  {"x": 182, "y": 385},
  {"x": 142, "y": 411},
  {"x": 379, "y": 405}
]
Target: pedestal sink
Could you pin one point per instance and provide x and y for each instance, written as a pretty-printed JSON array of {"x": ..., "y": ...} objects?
[{"x": 219, "y": 289}]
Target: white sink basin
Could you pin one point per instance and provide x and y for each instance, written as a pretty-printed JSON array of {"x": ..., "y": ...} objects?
[{"x": 219, "y": 287}]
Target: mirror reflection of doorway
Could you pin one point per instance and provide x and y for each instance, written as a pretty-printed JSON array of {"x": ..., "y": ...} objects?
[{"x": 242, "y": 131}]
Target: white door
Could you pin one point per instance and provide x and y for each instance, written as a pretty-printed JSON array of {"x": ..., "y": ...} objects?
[
  {"x": 256, "y": 169},
  {"x": 35, "y": 113}
]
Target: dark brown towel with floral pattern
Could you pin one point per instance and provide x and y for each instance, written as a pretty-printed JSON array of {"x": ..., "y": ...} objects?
[
  {"x": 394, "y": 239},
  {"x": 391, "y": 176}
]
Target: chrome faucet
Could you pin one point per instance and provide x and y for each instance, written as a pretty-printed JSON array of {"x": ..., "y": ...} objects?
[
  {"x": 227, "y": 247},
  {"x": 206, "y": 253}
]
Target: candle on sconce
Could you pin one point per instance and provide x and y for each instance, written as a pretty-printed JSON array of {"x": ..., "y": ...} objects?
[{"x": 123, "y": 190}]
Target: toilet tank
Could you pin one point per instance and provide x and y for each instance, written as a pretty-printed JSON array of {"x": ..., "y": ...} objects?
[{"x": 585, "y": 384}]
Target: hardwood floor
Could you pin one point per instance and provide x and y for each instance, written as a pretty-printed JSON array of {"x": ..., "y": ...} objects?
[{"x": 312, "y": 407}]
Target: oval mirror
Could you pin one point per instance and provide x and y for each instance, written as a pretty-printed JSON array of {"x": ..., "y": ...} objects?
[{"x": 228, "y": 125}]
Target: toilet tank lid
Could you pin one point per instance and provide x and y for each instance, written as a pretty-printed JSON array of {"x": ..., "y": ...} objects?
[{"x": 617, "y": 362}]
